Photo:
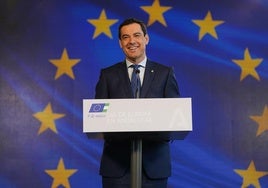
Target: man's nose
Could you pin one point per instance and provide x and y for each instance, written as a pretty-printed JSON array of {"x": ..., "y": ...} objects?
[{"x": 132, "y": 40}]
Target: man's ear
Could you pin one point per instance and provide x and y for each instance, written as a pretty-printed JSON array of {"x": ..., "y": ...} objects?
[
  {"x": 147, "y": 38},
  {"x": 120, "y": 43}
]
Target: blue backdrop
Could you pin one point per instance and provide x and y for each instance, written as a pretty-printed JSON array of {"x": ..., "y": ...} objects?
[{"x": 51, "y": 56}]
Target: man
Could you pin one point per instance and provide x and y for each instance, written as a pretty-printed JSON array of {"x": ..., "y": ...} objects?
[{"x": 157, "y": 81}]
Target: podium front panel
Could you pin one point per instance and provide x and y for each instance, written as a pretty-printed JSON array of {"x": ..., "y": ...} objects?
[{"x": 167, "y": 115}]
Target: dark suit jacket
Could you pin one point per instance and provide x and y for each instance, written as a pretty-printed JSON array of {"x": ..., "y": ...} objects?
[{"x": 159, "y": 82}]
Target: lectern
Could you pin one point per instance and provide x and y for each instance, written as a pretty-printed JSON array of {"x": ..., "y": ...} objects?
[{"x": 137, "y": 119}]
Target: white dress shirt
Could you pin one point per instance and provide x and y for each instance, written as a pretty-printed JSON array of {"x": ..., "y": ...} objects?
[{"x": 142, "y": 69}]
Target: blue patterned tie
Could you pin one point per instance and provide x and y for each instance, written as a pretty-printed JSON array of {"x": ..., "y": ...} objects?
[{"x": 135, "y": 81}]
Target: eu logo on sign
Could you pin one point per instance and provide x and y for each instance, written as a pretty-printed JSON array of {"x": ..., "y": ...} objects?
[{"x": 99, "y": 107}]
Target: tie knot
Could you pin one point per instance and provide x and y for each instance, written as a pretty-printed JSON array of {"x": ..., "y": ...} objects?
[{"x": 135, "y": 67}]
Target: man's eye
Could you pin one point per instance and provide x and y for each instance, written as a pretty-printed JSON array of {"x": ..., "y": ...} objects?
[
  {"x": 125, "y": 37},
  {"x": 138, "y": 35}
]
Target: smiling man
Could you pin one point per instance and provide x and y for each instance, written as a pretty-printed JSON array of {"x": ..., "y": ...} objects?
[
  {"x": 133, "y": 39},
  {"x": 154, "y": 81}
]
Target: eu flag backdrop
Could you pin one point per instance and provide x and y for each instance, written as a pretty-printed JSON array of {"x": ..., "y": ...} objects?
[{"x": 51, "y": 53}]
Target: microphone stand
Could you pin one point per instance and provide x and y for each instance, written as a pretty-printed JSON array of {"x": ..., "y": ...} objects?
[{"x": 136, "y": 154}]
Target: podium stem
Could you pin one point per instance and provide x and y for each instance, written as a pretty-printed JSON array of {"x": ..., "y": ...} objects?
[{"x": 136, "y": 163}]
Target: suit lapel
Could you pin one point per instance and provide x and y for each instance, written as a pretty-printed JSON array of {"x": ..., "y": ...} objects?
[
  {"x": 148, "y": 78},
  {"x": 123, "y": 75}
]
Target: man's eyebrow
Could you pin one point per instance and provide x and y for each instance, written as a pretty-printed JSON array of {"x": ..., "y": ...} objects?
[
  {"x": 139, "y": 33},
  {"x": 123, "y": 35}
]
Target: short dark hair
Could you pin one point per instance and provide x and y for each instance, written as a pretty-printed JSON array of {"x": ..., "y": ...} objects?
[{"x": 131, "y": 21}]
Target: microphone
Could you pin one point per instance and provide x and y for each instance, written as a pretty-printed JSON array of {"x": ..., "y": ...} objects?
[{"x": 137, "y": 71}]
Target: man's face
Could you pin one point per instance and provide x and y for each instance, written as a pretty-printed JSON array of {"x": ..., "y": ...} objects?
[{"x": 133, "y": 42}]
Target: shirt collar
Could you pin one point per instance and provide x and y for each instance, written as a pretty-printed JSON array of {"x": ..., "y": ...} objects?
[{"x": 142, "y": 63}]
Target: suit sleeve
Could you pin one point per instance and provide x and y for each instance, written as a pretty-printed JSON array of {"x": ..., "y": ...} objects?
[
  {"x": 171, "y": 89},
  {"x": 101, "y": 90}
]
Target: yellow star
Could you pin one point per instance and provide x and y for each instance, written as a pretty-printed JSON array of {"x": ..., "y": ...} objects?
[
  {"x": 248, "y": 65},
  {"x": 47, "y": 118},
  {"x": 102, "y": 25},
  {"x": 251, "y": 176},
  {"x": 262, "y": 121},
  {"x": 61, "y": 175},
  {"x": 156, "y": 12},
  {"x": 207, "y": 26},
  {"x": 64, "y": 65}
]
